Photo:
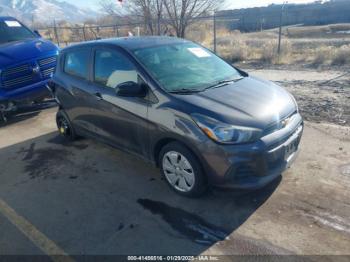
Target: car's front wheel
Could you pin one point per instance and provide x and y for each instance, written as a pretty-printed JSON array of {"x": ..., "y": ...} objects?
[{"x": 182, "y": 170}]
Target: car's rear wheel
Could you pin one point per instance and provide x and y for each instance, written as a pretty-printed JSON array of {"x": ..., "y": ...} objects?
[
  {"x": 65, "y": 127},
  {"x": 182, "y": 170}
]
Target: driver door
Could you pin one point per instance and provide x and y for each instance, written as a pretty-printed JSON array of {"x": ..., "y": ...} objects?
[{"x": 121, "y": 121}]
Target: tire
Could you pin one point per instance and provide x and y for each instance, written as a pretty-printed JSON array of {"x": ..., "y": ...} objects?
[
  {"x": 65, "y": 127},
  {"x": 182, "y": 170}
]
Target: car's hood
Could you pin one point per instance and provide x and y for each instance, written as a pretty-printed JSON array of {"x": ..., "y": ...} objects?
[
  {"x": 15, "y": 52},
  {"x": 249, "y": 102}
]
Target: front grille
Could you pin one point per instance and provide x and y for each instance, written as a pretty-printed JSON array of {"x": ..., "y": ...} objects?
[
  {"x": 244, "y": 170},
  {"x": 278, "y": 143},
  {"x": 16, "y": 70},
  {"x": 18, "y": 81},
  {"x": 47, "y": 66},
  {"x": 16, "y": 77},
  {"x": 277, "y": 125},
  {"x": 47, "y": 61},
  {"x": 24, "y": 75},
  {"x": 48, "y": 72}
]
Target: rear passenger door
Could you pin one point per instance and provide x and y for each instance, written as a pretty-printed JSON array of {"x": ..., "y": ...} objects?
[
  {"x": 120, "y": 120},
  {"x": 77, "y": 93}
]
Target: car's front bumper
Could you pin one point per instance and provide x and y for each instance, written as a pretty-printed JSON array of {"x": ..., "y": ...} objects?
[
  {"x": 12, "y": 98},
  {"x": 253, "y": 165}
]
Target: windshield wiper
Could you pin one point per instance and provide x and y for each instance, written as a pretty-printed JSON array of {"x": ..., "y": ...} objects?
[
  {"x": 185, "y": 91},
  {"x": 216, "y": 85},
  {"x": 223, "y": 83}
]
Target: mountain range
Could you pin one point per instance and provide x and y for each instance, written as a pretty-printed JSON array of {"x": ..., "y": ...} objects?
[{"x": 45, "y": 10}]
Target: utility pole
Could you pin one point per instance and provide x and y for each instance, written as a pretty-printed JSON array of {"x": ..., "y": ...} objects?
[
  {"x": 280, "y": 30},
  {"x": 262, "y": 22},
  {"x": 214, "y": 25}
]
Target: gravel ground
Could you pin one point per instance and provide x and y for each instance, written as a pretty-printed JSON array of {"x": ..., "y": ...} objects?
[{"x": 323, "y": 96}]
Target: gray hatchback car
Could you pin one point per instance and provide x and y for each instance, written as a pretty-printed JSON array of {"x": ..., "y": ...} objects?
[{"x": 175, "y": 103}]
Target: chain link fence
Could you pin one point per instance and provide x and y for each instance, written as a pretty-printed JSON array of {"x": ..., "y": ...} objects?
[
  {"x": 314, "y": 45},
  {"x": 66, "y": 34}
]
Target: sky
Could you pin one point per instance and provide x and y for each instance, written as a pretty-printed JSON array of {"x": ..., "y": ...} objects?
[{"x": 230, "y": 4}]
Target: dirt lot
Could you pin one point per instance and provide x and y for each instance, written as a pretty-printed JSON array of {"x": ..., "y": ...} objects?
[
  {"x": 323, "y": 96},
  {"x": 86, "y": 198}
]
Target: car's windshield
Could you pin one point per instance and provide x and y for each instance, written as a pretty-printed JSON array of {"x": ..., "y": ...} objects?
[
  {"x": 185, "y": 66},
  {"x": 11, "y": 30}
]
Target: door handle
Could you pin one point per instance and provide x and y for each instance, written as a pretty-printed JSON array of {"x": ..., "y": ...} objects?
[{"x": 98, "y": 96}]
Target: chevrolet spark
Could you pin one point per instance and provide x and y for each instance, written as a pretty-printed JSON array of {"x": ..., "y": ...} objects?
[{"x": 175, "y": 103}]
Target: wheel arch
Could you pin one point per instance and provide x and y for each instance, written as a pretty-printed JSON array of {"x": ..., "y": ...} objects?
[
  {"x": 203, "y": 178},
  {"x": 158, "y": 147},
  {"x": 166, "y": 140}
]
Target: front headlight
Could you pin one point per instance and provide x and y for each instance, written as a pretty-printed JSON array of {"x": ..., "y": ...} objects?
[{"x": 225, "y": 133}]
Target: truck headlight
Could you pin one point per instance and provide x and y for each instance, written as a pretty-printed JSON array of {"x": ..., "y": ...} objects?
[{"x": 226, "y": 133}]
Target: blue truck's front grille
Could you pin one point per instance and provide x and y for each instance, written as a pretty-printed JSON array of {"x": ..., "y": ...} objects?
[
  {"x": 47, "y": 61},
  {"x": 16, "y": 77},
  {"x": 25, "y": 74},
  {"x": 47, "y": 66},
  {"x": 16, "y": 70},
  {"x": 18, "y": 81},
  {"x": 48, "y": 72}
]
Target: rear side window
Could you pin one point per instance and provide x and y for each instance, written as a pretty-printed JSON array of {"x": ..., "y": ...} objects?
[
  {"x": 76, "y": 63},
  {"x": 112, "y": 69}
]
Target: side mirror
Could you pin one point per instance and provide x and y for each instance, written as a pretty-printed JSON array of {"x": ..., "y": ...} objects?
[
  {"x": 37, "y": 33},
  {"x": 131, "y": 89}
]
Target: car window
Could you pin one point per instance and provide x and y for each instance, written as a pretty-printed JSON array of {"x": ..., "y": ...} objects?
[
  {"x": 185, "y": 66},
  {"x": 112, "y": 69},
  {"x": 76, "y": 63}
]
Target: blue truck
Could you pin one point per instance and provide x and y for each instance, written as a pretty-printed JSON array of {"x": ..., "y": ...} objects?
[{"x": 27, "y": 63}]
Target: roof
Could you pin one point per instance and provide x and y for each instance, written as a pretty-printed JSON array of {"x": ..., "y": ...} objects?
[{"x": 133, "y": 43}]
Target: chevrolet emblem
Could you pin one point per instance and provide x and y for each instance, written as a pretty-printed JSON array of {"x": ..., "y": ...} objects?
[{"x": 285, "y": 122}]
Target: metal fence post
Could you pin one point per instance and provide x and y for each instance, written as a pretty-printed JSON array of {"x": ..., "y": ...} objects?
[
  {"x": 55, "y": 32},
  {"x": 116, "y": 26},
  {"x": 280, "y": 30},
  {"x": 214, "y": 33},
  {"x": 84, "y": 34},
  {"x": 138, "y": 31},
  {"x": 33, "y": 26},
  {"x": 158, "y": 25}
]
